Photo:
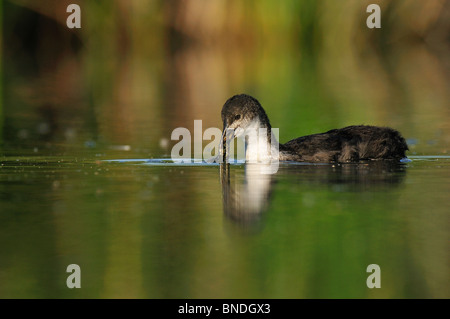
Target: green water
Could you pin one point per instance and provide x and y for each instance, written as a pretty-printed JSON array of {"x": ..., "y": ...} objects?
[{"x": 143, "y": 231}]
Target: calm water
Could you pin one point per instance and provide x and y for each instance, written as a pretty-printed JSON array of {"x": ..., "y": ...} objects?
[{"x": 140, "y": 230}]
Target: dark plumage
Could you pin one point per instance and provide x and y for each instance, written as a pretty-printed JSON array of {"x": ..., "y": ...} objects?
[{"x": 349, "y": 144}]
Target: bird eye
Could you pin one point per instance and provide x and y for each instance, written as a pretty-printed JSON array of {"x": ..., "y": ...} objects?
[{"x": 237, "y": 117}]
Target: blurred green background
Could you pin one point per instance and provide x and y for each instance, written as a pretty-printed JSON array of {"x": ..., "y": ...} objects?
[{"x": 137, "y": 69}]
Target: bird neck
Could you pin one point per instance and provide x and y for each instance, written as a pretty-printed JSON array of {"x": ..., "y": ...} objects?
[{"x": 260, "y": 143}]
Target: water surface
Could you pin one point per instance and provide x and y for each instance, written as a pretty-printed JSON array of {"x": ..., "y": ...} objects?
[{"x": 208, "y": 231}]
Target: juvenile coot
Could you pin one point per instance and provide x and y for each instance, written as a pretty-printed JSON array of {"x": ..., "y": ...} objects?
[{"x": 243, "y": 113}]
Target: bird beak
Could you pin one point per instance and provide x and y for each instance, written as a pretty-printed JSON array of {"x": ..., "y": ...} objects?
[
  {"x": 223, "y": 144},
  {"x": 227, "y": 136}
]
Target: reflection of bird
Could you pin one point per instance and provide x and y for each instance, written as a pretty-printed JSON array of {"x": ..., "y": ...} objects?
[
  {"x": 354, "y": 177},
  {"x": 245, "y": 200},
  {"x": 244, "y": 115}
]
